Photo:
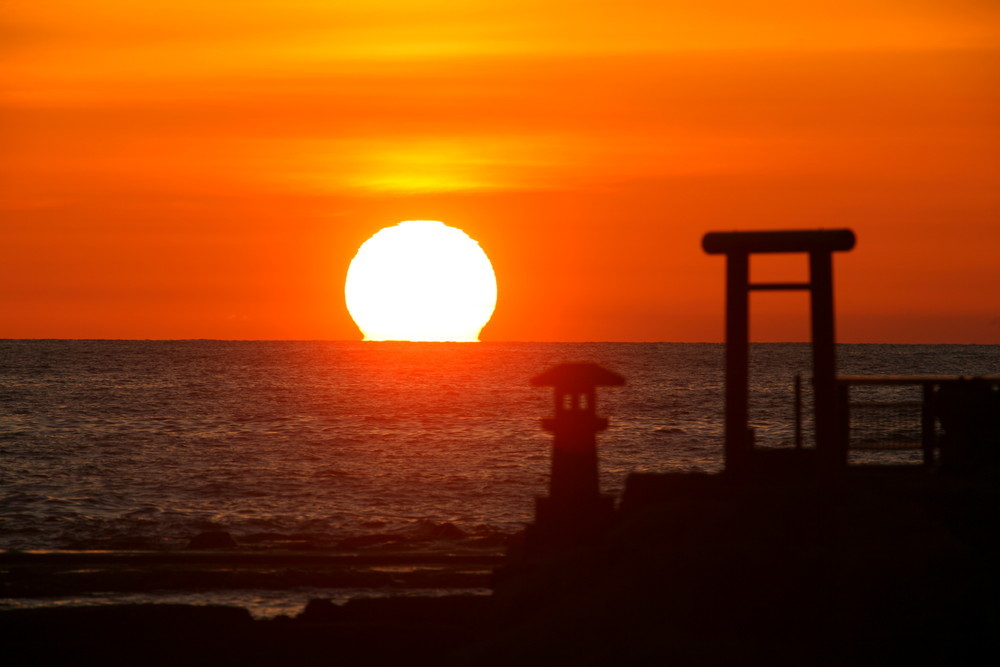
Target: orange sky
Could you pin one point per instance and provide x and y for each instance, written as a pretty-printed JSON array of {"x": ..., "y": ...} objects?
[{"x": 207, "y": 169}]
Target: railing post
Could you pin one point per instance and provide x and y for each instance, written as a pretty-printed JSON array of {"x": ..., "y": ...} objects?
[
  {"x": 798, "y": 411},
  {"x": 928, "y": 430},
  {"x": 842, "y": 432}
]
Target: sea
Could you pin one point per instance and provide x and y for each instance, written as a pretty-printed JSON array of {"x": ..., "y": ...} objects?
[{"x": 143, "y": 445}]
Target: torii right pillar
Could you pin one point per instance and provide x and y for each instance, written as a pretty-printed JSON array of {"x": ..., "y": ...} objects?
[{"x": 820, "y": 246}]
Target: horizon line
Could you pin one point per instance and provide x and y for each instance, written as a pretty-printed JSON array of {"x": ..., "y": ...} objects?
[{"x": 376, "y": 342}]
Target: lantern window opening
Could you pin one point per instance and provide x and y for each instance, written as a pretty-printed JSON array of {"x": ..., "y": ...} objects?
[{"x": 575, "y": 401}]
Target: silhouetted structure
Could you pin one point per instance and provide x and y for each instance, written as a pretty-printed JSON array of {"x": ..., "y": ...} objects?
[
  {"x": 969, "y": 410},
  {"x": 967, "y": 407},
  {"x": 574, "y": 510},
  {"x": 737, "y": 247}
]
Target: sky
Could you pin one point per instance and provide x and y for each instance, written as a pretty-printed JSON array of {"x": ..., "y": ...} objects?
[{"x": 207, "y": 169}]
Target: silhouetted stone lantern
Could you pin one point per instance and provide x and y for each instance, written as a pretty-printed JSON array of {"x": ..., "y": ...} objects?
[{"x": 574, "y": 510}]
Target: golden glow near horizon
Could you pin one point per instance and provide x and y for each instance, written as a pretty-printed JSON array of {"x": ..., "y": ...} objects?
[{"x": 421, "y": 280}]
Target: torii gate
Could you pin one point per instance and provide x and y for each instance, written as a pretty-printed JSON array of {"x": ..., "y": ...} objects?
[{"x": 737, "y": 247}]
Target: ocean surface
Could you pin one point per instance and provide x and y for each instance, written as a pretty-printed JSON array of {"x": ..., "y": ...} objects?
[{"x": 147, "y": 443}]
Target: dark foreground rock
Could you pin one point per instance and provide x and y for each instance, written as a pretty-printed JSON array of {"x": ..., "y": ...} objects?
[
  {"x": 387, "y": 631},
  {"x": 880, "y": 567},
  {"x": 126, "y": 634},
  {"x": 213, "y": 539}
]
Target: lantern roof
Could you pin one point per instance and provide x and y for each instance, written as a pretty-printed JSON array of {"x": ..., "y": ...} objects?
[{"x": 577, "y": 377}]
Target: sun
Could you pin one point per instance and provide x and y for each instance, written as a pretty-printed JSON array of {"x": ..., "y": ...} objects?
[{"x": 421, "y": 280}]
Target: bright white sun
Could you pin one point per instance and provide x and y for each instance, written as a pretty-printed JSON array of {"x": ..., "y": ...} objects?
[{"x": 421, "y": 280}]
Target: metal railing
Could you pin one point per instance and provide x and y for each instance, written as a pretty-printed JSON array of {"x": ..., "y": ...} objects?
[{"x": 895, "y": 412}]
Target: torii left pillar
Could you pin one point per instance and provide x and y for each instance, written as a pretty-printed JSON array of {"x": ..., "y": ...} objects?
[{"x": 574, "y": 511}]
